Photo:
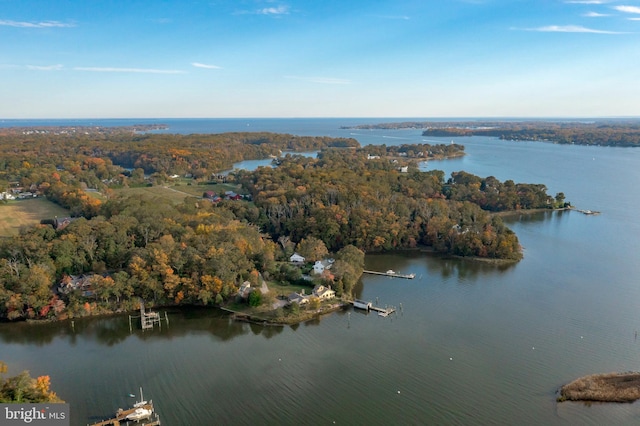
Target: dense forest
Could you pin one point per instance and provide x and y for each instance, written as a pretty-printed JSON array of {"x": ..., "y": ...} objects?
[
  {"x": 118, "y": 249},
  {"x": 599, "y": 132},
  {"x": 345, "y": 198}
]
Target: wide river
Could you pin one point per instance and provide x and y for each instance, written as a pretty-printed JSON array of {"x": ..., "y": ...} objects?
[{"x": 472, "y": 343}]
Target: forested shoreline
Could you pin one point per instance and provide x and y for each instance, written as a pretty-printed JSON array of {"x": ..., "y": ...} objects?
[
  {"x": 602, "y": 132},
  {"x": 349, "y": 200}
]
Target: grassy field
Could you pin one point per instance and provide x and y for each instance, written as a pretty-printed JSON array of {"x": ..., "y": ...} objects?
[
  {"x": 177, "y": 193},
  {"x": 19, "y": 213}
]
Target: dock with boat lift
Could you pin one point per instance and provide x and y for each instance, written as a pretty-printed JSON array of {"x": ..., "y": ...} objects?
[
  {"x": 368, "y": 306},
  {"x": 391, "y": 273}
]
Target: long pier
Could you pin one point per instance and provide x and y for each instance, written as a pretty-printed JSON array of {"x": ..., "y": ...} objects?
[
  {"x": 391, "y": 273},
  {"x": 587, "y": 212}
]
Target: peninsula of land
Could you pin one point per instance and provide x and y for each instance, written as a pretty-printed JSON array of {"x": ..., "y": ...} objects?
[
  {"x": 153, "y": 217},
  {"x": 601, "y": 132}
]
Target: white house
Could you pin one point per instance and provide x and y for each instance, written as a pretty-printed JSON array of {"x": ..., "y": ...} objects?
[
  {"x": 318, "y": 267},
  {"x": 321, "y": 265},
  {"x": 296, "y": 258},
  {"x": 323, "y": 293}
]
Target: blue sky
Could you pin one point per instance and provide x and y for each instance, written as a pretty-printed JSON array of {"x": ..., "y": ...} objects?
[{"x": 317, "y": 58}]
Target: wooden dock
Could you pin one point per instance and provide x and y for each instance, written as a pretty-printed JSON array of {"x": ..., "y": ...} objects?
[
  {"x": 121, "y": 418},
  {"x": 148, "y": 319},
  {"x": 588, "y": 212},
  {"x": 392, "y": 274},
  {"x": 368, "y": 306},
  {"x": 383, "y": 312}
]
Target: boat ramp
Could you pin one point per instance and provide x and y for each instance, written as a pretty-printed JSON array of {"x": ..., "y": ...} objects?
[{"x": 391, "y": 273}]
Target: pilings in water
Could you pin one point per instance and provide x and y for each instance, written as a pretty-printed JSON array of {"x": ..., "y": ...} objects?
[
  {"x": 148, "y": 319},
  {"x": 368, "y": 306}
]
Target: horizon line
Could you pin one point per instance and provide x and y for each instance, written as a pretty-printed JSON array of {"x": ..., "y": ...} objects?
[{"x": 475, "y": 117}]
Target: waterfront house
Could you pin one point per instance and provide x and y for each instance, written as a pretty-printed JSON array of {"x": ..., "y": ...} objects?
[
  {"x": 245, "y": 289},
  {"x": 323, "y": 293},
  {"x": 70, "y": 283},
  {"x": 300, "y": 299}
]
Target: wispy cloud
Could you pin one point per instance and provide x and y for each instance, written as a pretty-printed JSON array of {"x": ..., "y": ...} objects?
[
  {"x": 278, "y": 10},
  {"x": 129, "y": 70},
  {"x": 272, "y": 11},
  {"x": 571, "y": 29},
  {"x": 209, "y": 67},
  {"x": 41, "y": 24},
  {"x": 320, "y": 80},
  {"x": 56, "y": 67},
  {"x": 393, "y": 17},
  {"x": 594, "y": 15},
  {"x": 627, "y": 9}
]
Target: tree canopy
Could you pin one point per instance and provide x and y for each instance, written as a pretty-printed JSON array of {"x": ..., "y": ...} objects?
[{"x": 347, "y": 201}]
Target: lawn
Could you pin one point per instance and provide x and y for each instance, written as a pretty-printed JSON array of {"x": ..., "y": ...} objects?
[
  {"x": 177, "y": 193},
  {"x": 19, "y": 213},
  {"x": 167, "y": 194}
]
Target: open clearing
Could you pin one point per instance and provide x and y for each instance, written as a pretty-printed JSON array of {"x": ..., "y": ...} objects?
[
  {"x": 19, "y": 213},
  {"x": 176, "y": 194}
]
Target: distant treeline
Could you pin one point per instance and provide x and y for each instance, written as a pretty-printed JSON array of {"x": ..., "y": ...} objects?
[{"x": 600, "y": 132}]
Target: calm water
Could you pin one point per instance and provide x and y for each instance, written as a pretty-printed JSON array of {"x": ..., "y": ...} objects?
[{"x": 473, "y": 343}]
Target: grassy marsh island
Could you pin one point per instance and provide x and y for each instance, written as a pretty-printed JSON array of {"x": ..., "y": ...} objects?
[{"x": 608, "y": 387}]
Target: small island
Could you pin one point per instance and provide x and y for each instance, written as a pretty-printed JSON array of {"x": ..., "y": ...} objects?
[{"x": 609, "y": 387}]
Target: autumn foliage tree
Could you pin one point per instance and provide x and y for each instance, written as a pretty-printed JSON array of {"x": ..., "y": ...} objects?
[{"x": 24, "y": 388}]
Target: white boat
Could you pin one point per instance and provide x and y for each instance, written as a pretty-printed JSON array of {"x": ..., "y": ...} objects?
[
  {"x": 140, "y": 413},
  {"x": 391, "y": 272},
  {"x": 140, "y": 403}
]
